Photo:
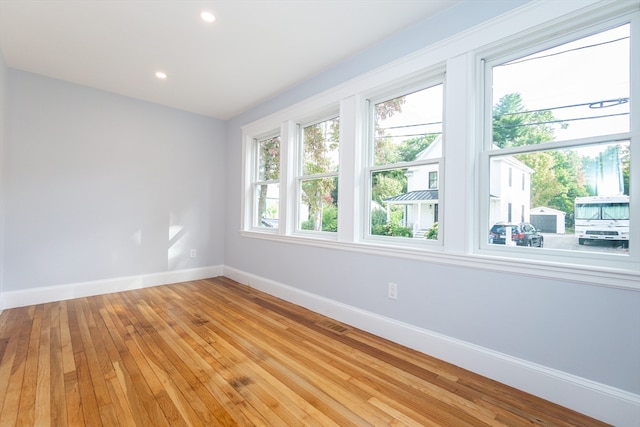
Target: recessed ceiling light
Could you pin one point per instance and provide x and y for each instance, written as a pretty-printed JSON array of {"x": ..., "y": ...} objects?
[
  {"x": 161, "y": 75},
  {"x": 207, "y": 16}
]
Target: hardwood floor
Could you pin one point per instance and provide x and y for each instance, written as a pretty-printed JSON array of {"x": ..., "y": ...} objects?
[{"x": 216, "y": 353}]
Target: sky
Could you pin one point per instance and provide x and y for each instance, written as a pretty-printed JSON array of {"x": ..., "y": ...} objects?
[
  {"x": 586, "y": 71},
  {"x": 572, "y": 74}
]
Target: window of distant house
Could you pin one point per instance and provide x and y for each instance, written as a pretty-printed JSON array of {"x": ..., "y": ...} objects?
[
  {"x": 560, "y": 115},
  {"x": 317, "y": 182},
  {"x": 433, "y": 180},
  {"x": 266, "y": 182},
  {"x": 406, "y": 155}
]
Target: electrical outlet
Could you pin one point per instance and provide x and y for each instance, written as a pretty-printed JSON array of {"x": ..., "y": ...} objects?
[
  {"x": 193, "y": 253},
  {"x": 393, "y": 291}
]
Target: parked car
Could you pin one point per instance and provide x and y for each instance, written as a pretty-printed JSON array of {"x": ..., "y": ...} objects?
[{"x": 523, "y": 234}]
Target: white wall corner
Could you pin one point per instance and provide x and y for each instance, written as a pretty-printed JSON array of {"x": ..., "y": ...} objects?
[
  {"x": 600, "y": 401},
  {"x": 24, "y": 297}
]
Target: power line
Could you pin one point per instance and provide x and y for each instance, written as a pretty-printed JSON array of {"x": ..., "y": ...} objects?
[
  {"x": 409, "y": 135},
  {"x": 412, "y": 125},
  {"x": 606, "y": 103},
  {"x": 560, "y": 121},
  {"x": 562, "y": 52}
]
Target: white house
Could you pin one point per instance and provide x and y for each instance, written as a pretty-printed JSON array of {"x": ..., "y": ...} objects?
[
  {"x": 510, "y": 188},
  {"x": 421, "y": 199}
]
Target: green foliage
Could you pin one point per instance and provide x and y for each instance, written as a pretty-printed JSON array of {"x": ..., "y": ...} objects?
[
  {"x": 625, "y": 163},
  {"x": 432, "y": 232},
  {"x": 268, "y": 169},
  {"x": 269, "y": 155},
  {"x": 557, "y": 179},
  {"x": 388, "y": 184},
  {"x": 513, "y": 126},
  {"x": 385, "y": 151},
  {"x": 329, "y": 220},
  {"x": 398, "y": 230},
  {"x": 320, "y": 141},
  {"x": 410, "y": 148},
  {"x": 606, "y": 164},
  {"x": 381, "y": 227}
]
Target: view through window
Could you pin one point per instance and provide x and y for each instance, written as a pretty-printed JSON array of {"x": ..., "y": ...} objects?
[
  {"x": 407, "y": 152},
  {"x": 563, "y": 116},
  {"x": 267, "y": 182},
  {"x": 318, "y": 205}
]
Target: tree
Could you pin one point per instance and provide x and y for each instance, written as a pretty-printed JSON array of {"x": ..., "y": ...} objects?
[
  {"x": 319, "y": 141},
  {"x": 608, "y": 172},
  {"x": 386, "y": 184},
  {"x": 268, "y": 169},
  {"x": 410, "y": 148},
  {"x": 513, "y": 126},
  {"x": 559, "y": 177}
]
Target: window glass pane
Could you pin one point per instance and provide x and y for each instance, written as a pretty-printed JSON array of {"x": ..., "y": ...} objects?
[
  {"x": 321, "y": 144},
  {"x": 268, "y": 200},
  {"x": 433, "y": 180},
  {"x": 575, "y": 90},
  {"x": 405, "y": 126},
  {"x": 319, "y": 205},
  {"x": 577, "y": 198},
  {"x": 402, "y": 204},
  {"x": 268, "y": 151}
]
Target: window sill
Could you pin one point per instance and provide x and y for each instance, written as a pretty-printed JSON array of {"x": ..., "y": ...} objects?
[{"x": 487, "y": 260}]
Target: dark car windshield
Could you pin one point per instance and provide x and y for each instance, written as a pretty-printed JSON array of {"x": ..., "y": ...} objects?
[{"x": 500, "y": 229}]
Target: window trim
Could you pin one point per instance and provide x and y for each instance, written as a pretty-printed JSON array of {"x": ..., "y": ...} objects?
[
  {"x": 395, "y": 89},
  {"x": 461, "y": 53},
  {"x": 249, "y": 207},
  {"x": 517, "y": 48}
]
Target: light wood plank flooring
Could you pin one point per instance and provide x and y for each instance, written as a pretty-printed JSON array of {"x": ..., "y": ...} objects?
[{"x": 216, "y": 353}]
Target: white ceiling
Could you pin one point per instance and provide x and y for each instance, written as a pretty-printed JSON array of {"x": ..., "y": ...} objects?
[{"x": 254, "y": 50}]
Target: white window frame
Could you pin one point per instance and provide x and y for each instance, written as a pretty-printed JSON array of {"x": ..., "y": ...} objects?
[
  {"x": 251, "y": 152},
  {"x": 519, "y": 48},
  {"x": 398, "y": 89}
]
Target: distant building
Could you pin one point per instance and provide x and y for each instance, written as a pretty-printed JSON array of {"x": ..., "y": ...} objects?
[
  {"x": 510, "y": 189},
  {"x": 548, "y": 220}
]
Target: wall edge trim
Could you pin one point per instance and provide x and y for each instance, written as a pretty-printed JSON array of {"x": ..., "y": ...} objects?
[{"x": 40, "y": 295}]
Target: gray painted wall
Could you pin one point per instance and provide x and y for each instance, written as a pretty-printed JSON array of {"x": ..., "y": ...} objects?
[
  {"x": 100, "y": 186},
  {"x": 589, "y": 331}
]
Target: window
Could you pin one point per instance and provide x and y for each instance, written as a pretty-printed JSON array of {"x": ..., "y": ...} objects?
[
  {"x": 433, "y": 180},
  {"x": 266, "y": 187},
  {"x": 318, "y": 182},
  {"x": 561, "y": 117},
  {"x": 406, "y": 146},
  {"x": 540, "y": 133}
]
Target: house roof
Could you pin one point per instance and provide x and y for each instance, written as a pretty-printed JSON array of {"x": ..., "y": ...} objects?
[
  {"x": 546, "y": 210},
  {"x": 414, "y": 196}
]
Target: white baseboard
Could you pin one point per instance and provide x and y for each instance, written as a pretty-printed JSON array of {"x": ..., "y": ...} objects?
[
  {"x": 45, "y": 294},
  {"x": 608, "y": 404}
]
